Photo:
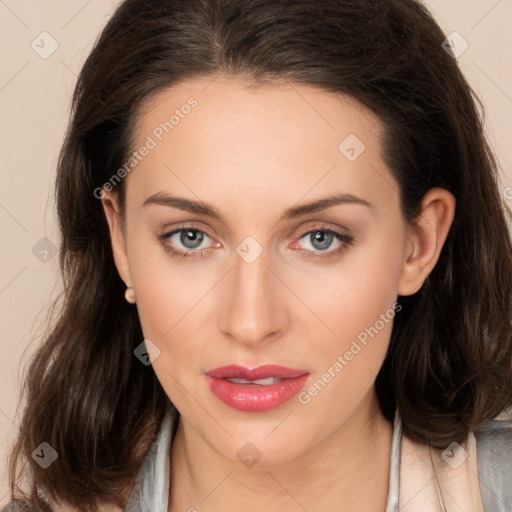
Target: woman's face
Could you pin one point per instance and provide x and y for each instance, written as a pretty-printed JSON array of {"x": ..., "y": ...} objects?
[{"x": 266, "y": 280}]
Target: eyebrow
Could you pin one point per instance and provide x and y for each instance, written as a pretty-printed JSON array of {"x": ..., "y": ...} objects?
[{"x": 201, "y": 208}]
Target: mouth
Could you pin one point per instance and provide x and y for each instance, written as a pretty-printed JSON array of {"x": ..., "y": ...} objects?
[{"x": 255, "y": 389}]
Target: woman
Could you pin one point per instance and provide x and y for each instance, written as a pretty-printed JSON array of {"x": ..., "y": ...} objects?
[{"x": 287, "y": 271}]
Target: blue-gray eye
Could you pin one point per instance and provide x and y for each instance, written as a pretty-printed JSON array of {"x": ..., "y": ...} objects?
[
  {"x": 321, "y": 240},
  {"x": 191, "y": 238}
]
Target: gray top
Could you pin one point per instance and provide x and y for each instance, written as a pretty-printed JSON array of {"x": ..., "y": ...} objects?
[{"x": 494, "y": 457}]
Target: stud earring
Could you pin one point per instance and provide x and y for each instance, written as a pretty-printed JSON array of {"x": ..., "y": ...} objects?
[{"x": 129, "y": 295}]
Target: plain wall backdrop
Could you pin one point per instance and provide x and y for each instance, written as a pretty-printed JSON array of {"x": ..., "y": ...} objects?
[{"x": 43, "y": 45}]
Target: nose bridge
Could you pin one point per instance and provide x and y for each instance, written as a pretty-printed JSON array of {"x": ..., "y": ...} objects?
[{"x": 251, "y": 311}]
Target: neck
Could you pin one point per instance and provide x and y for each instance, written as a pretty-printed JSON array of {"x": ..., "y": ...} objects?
[{"x": 350, "y": 469}]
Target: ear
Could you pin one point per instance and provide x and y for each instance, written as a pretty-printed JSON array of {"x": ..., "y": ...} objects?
[
  {"x": 112, "y": 211},
  {"x": 425, "y": 239}
]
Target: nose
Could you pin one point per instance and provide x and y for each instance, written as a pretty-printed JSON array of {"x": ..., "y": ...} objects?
[{"x": 253, "y": 309}]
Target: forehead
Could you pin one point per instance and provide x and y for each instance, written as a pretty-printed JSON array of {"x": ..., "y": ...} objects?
[{"x": 284, "y": 140}]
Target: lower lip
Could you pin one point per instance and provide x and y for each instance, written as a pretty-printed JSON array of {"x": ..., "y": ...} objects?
[{"x": 254, "y": 398}]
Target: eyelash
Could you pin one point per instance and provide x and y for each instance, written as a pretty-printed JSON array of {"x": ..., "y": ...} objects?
[{"x": 201, "y": 253}]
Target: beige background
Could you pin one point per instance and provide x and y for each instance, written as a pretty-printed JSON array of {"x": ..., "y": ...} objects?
[{"x": 34, "y": 98}]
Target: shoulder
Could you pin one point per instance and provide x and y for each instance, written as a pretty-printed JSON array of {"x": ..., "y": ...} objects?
[{"x": 494, "y": 456}]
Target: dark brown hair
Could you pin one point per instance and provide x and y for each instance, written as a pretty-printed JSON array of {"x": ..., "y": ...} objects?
[{"x": 449, "y": 364}]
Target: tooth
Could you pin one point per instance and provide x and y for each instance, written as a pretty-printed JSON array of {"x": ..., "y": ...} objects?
[
  {"x": 236, "y": 380},
  {"x": 265, "y": 382},
  {"x": 261, "y": 382}
]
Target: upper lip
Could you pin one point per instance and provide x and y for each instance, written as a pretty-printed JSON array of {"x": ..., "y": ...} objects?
[{"x": 250, "y": 373}]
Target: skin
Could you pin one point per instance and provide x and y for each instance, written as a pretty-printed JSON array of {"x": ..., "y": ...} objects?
[{"x": 252, "y": 153}]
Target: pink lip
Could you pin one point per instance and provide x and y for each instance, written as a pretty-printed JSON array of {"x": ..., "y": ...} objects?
[{"x": 254, "y": 397}]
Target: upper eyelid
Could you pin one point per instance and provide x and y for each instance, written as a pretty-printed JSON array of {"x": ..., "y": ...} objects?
[
  {"x": 313, "y": 224},
  {"x": 185, "y": 227}
]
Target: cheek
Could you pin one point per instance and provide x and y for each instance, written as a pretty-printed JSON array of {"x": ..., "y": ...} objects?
[
  {"x": 353, "y": 295},
  {"x": 356, "y": 306},
  {"x": 172, "y": 300},
  {"x": 167, "y": 303},
  {"x": 164, "y": 285}
]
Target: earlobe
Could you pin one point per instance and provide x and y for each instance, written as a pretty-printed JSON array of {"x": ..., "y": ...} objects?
[
  {"x": 117, "y": 237},
  {"x": 425, "y": 239}
]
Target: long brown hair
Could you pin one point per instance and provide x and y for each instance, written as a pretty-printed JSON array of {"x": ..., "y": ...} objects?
[{"x": 449, "y": 364}]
